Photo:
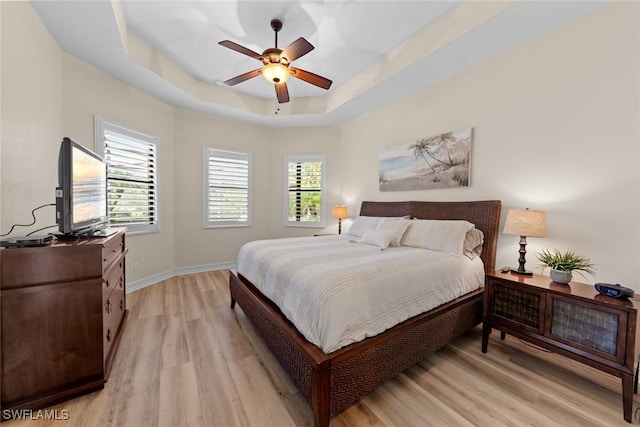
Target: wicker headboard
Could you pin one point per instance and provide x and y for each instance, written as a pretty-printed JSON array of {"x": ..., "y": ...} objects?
[{"x": 485, "y": 214}]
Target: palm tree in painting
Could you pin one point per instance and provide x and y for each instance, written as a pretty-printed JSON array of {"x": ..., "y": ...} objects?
[
  {"x": 427, "y": 146},
  {"x": 419, "y": 148},
  {"x": 443, "y": 140}
]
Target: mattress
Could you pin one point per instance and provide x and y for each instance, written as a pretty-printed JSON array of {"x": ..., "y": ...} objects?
[{"x": 337, "y": 292}]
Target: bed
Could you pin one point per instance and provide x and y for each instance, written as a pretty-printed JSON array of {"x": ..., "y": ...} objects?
[{"x": 330, "y": 382}]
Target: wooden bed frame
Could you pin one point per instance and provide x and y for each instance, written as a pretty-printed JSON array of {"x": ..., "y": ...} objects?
[{"x": 332, "y": 382}]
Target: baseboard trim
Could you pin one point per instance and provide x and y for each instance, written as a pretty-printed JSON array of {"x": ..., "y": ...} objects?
[{"x": 180, "y": 271}]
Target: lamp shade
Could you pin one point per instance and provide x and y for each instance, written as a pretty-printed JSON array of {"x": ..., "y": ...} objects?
[
  {"x": 524, "y": 222},
  {"x": 339, "y": 212},
  {"x": 275, "y": 72}
]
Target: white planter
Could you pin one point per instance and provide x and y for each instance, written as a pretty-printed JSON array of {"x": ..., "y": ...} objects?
[{"x": 562, "y": 277}]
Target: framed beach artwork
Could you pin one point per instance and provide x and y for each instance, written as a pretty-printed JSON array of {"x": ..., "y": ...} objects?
[{"x": 441, "y": 161}]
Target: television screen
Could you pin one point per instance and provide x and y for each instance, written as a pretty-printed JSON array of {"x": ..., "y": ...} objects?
[
  {"x": 81, "y": 198},
  {"x": 89, "y": 187}
]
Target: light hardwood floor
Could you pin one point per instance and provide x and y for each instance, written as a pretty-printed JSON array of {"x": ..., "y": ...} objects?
[{"x": 187, "y": 359}]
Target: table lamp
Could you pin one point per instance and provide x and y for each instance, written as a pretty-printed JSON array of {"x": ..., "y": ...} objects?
[
  {"x": 525, "y": 223},
  {"x": 340, "y": 213}
]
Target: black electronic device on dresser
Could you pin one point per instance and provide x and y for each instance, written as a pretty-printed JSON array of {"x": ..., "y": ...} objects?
[
  {"x": 573, "y": 320},
  {"x": 25, "y": 241},
  {"x": 615, "y": 291}
]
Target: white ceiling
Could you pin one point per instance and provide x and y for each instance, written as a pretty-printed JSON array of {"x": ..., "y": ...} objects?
[{"x": 374, "y": 51}]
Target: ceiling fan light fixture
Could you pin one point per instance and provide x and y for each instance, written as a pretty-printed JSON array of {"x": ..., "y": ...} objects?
[{"x": 275, "y": 72}]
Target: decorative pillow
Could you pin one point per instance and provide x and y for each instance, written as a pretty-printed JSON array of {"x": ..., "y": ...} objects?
[
  {"x": 362, "y": 224},
  {"x": 397, "y": 226},
  {"x": 473, "y": 241},
  {"x": 376, "y": 237},
  {"x": 439, "y": 235}
]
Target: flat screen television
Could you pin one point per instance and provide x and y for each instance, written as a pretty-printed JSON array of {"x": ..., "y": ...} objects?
[{"x": 81, "y": 197}]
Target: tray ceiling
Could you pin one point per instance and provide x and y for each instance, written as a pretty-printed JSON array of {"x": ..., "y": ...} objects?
[{"x": 374, "y": 51}]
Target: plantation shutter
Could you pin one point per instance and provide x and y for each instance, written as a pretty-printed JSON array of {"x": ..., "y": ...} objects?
[
  {"x": 132, "y": 176},
  {"x": 132, "y": 196},
  {"x": 227, "y": 188},
  {"x": 305, "y": 190}
]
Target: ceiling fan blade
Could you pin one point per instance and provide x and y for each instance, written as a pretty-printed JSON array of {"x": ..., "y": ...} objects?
[
  {"x": 297, "y": 49},
  {"x": 241, "y": 49},
  {"x": 282, "y": 92},
  {"x": 309, "y": 77},
  {"x": 243, "y": 77}
]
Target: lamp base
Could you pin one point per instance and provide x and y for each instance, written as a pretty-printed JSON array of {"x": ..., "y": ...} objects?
[{"x": 521, "y": 261}]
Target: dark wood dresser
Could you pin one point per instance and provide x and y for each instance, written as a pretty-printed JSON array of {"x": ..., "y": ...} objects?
[
  {"x": 573, "y": 320},
  {"x": 63, "y": 309}
]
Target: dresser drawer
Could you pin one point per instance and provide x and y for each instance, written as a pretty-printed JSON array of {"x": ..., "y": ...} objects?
[
  {"x": 111, "y": 249},
  {"x": 114, "y": 277},
  {"x": 113, "y": 313},
  {"x": 41, "y": 265}
]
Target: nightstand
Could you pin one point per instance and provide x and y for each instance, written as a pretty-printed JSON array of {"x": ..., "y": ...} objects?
[{"x": 572, "y": 320}]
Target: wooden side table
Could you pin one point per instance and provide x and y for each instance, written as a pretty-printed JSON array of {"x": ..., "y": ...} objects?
[{"x": 573, "y": 320}]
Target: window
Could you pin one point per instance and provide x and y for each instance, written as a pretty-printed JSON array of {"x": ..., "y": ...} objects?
[
  {"x": 227, "y": 192},
  {"x": 305, "y": 176},
  {"x": 132, "y": 176}
]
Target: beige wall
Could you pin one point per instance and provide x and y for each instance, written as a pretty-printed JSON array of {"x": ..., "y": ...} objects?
[
  {"x": 31, "y": 119},
  {"x": 555, "y": 127},
  {"x": 89, "y": 92},
  {"x": 48, "y": 94},
  {"x": 196, "y": 246}
]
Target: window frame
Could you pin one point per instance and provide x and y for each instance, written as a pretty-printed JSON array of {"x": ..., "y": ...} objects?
[
  {"x": 100, "y": 125},
  {"x": 232, "y": 154},
  {"x": 322, "y": 158}
]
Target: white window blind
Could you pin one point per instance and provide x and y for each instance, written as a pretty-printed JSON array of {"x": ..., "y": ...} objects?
[
  {"x": 227, "y": 198},
  {"x": 305, "y": 190},
  {"x": 132, "y": 176}
]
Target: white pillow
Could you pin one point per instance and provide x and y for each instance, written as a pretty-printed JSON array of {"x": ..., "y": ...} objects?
[
  {"x": 397, "y": 226},
  {"x": 439, "y": 235},
  {"x": 362, "y": 224},
  {"x": 376, "y": 237},
  {"x": 473, "y": 241}
]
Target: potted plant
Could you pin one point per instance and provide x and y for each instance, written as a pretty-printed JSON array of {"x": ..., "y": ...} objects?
[{"x": 562, "y": 264}]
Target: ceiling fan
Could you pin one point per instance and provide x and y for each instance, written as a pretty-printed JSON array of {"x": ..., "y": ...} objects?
[{"x": 276, "y": 68}]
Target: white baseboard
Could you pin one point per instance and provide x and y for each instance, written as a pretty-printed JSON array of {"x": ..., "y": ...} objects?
[{"x": 180, "y": 271}]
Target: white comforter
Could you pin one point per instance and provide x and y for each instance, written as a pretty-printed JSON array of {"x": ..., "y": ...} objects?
[{"x": 337, "y": 292}]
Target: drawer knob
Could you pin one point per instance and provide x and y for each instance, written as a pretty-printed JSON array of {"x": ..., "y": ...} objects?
[
  {"x": 121, "y": 304},
  {"x": 108, "y": 307},
  {"x": 109, "y": 334}
]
